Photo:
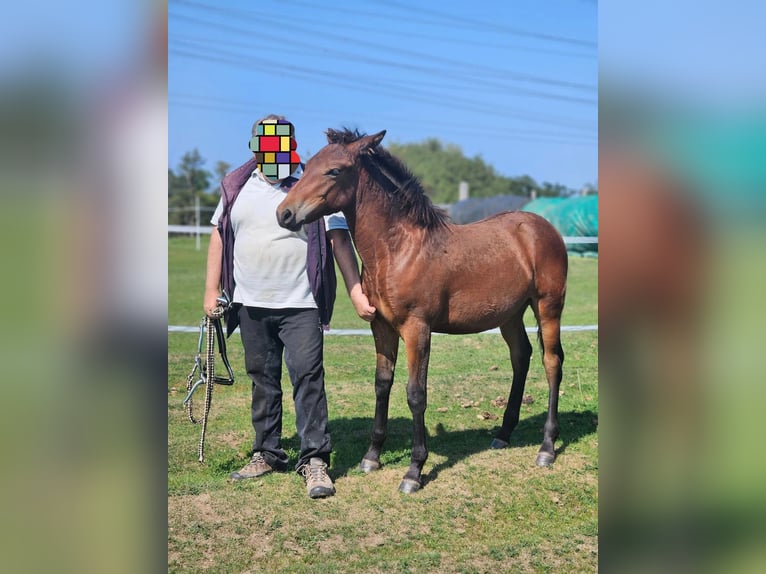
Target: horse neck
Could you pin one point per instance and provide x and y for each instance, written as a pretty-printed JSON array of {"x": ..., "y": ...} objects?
[{"x": 379, "y": 225}]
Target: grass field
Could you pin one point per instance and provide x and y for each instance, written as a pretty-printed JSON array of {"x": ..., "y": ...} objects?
[{"x": 480, "y": 510}]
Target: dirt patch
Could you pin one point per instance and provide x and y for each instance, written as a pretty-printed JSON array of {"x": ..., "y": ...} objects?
[
  {"x": 200, "y": 506},
  {"x": 233, "y": 440},
  {"x": 333, "y": 544}
]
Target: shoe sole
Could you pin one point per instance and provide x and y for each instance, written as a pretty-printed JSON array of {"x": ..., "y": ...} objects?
[
  {"x": 321, "y": 492},
  {"x": 237, "y": 476}
]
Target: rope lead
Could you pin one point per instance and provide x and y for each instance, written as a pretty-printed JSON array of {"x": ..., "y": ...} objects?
[{"x": 210, "y": 329}]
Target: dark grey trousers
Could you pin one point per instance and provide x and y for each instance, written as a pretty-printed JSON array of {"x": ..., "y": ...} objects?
[{"x": 266, "y": 335}]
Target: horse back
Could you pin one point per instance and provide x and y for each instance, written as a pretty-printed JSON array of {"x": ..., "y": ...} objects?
[
  {"x": 474, "y": 277},
  {"x": 520, "y": 239}
]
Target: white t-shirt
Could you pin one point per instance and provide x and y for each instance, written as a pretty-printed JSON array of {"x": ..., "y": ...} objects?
[{"x": 269, "y": 260}]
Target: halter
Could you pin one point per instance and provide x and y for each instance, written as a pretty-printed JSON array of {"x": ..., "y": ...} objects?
[{"x": 210, "y": 329}]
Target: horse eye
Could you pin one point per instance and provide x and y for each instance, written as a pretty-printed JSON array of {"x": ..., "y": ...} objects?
[{"x": 333, "y": 172}]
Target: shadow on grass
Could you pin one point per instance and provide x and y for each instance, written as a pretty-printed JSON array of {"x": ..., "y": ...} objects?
[{"x": 351, "y": 438}]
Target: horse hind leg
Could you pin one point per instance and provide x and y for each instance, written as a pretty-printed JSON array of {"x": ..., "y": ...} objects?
[
  {"x": 516, "y": 338},
  {"x": 548, "y": 314}
]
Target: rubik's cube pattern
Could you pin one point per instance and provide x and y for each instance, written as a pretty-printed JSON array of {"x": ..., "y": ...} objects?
[{"x": 274, "y": 146}]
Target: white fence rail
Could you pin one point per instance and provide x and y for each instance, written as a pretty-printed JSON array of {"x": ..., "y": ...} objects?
[
  {"x": 194, "y": 230},
  {"x": 190, "y": 229},
  {"x": 353, "y": 332}
]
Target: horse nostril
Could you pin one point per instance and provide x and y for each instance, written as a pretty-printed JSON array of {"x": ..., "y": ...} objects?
[{"x": 287, "y": 215}]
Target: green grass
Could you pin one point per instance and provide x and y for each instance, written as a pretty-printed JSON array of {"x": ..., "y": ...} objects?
[{"x": 480, "y": 510}]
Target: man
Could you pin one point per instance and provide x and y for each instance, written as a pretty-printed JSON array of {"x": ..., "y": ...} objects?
[{"x": 282, "y": 286}]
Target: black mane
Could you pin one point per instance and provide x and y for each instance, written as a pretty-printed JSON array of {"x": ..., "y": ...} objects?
[
  {"x": 402, "y": 189},
  {"x": 344, "y": 137}
]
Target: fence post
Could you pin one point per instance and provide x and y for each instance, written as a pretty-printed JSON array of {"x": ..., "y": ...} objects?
[
  {"x": 196, "y": 218},
  {"x": 462, "y": 191}
]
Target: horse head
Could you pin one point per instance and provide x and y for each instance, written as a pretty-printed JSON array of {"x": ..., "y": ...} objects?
[{"x": 329, "y": 180}]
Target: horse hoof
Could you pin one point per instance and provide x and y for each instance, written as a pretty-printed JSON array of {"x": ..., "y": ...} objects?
[
  {"x": 367, "y": 465},
  {"x": 498, "y": 443},
  {"x": 545, "y": 459},
  {"x": 408, "y": 486}
]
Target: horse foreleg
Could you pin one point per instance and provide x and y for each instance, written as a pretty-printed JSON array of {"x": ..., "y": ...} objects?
[
  {"x": 417, "y": 341},
  {"x": 553, "y": 359},
  {"x": 386, "y": 348},
  {"x": 515, "y": 336}
]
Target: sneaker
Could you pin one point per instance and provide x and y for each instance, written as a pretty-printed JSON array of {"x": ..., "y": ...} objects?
[
  {"x": 318, "y": 483},
  {"x": 253, "y": 469}
]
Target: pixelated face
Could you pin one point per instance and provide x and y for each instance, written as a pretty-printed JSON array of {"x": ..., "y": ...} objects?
[{"x": 274, "y": 146}]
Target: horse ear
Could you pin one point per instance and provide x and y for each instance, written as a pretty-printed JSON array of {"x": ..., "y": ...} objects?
[{"x": 371, "y": 142}]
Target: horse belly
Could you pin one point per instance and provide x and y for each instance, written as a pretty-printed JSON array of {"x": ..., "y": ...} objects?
[{"x": 474, "y": 311}]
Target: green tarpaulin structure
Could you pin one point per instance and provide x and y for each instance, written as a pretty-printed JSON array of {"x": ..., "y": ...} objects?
[{"x": 573, "y": 217}]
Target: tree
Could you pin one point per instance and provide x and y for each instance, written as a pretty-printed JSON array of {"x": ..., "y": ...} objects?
[
  {"x": 554, "y": 190},
  {"x": 221, "y": 169},
  {"x": 525, "y": 185},
  {"x": 191, "y": 182},
  {"x": 440, "y": 169}
]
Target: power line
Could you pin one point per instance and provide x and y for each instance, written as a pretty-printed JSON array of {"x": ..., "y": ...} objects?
[
  {"x": 473, "y": 81},
  {"x": 392, "y": 31},
  {"x": 346, "y": 41},
  {"x": 207, "y": 102},
  {"x": 337, "y": 64},
  {"x": 455, "y": 21},
  {"x": 483, "y": 25},
  {"x": 375, "y": 87},
  {"x": 490, "y": 131},
  {"x": 414, "y": 94}
]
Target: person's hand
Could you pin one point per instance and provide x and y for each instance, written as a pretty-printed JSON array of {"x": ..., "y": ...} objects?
[
  {"x": 362, "y": 305},
  {"x": 210, "y": 305}
]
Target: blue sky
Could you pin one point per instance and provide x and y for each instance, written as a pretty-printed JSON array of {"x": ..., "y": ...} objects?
[{"x": 512, "y": 82}]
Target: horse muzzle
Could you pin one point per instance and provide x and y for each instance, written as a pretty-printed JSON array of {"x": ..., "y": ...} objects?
[{"x": 287, "y": 219}]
